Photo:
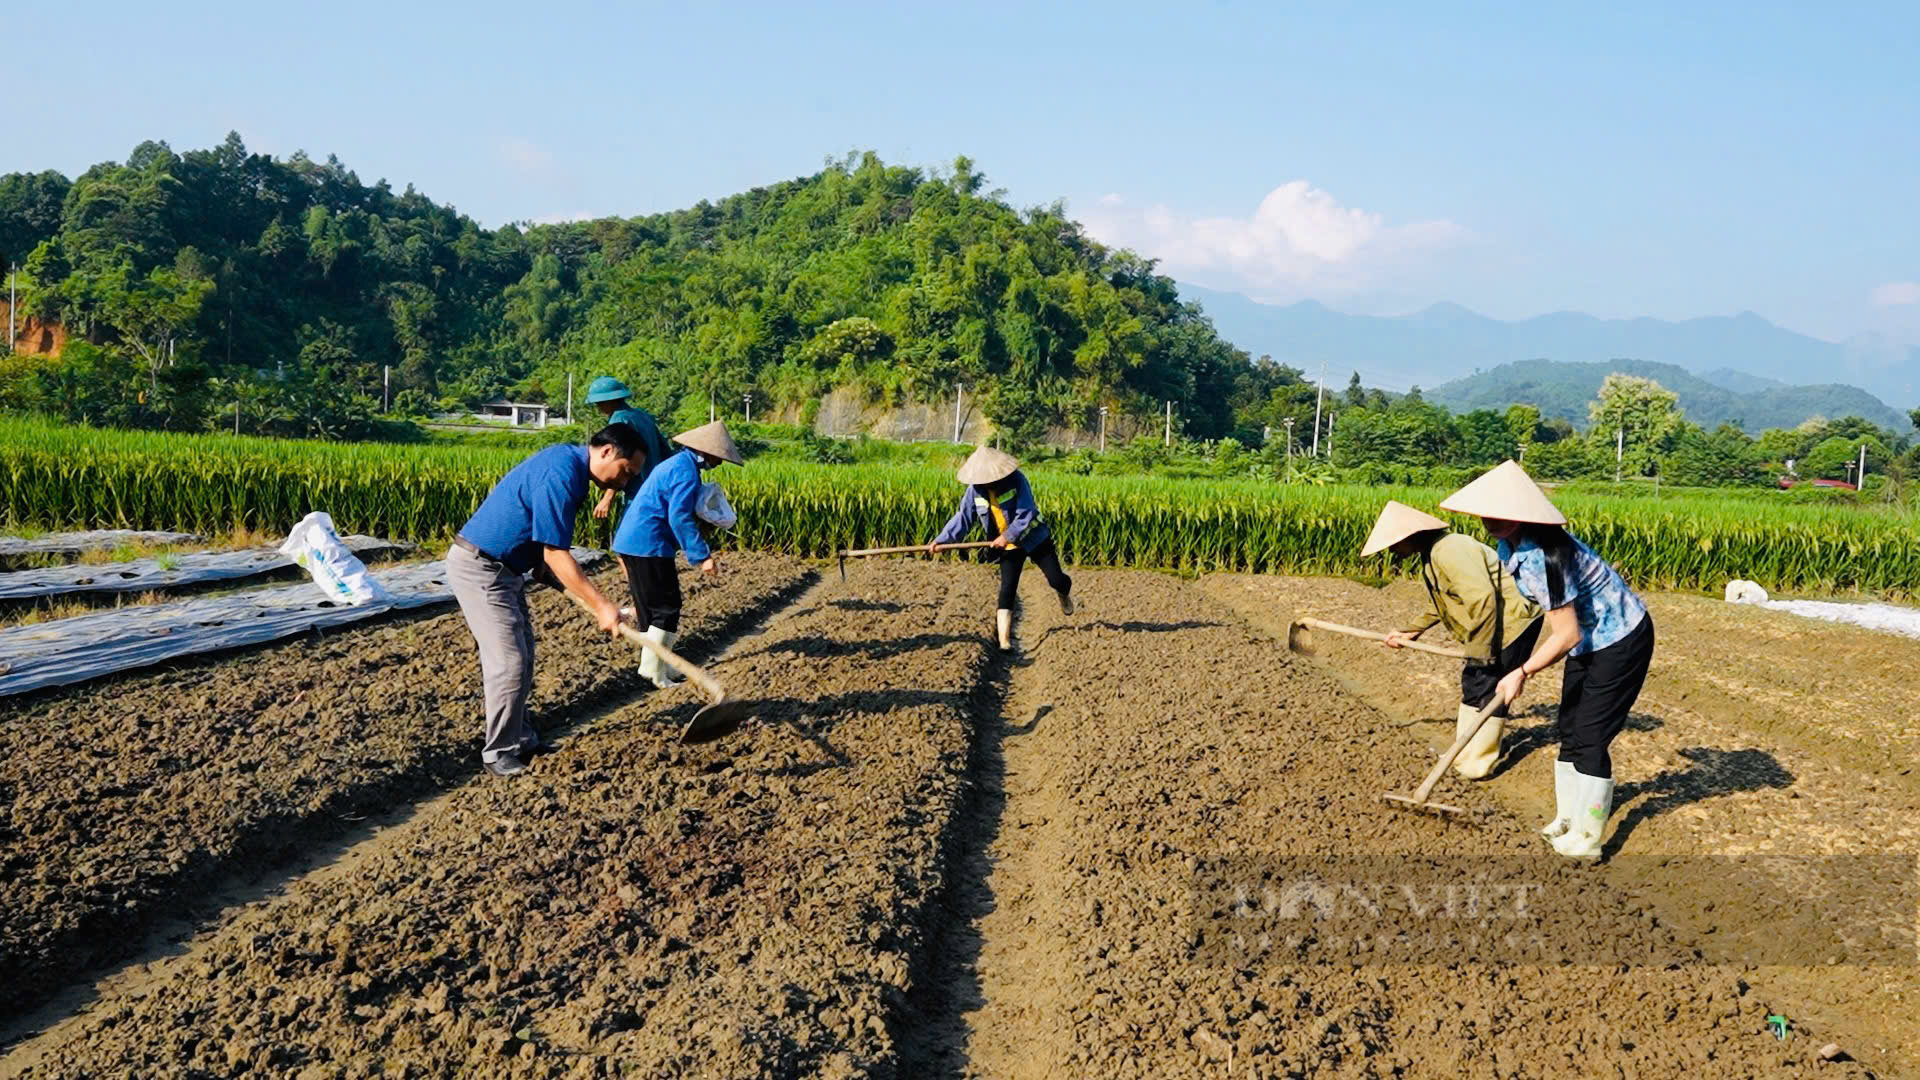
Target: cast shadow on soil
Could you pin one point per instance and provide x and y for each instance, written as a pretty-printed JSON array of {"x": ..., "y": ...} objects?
[
  {"x": 1713, "y": 772},
  {"x": 814, "y": 719},
  {"x": 1132, "y": 627},
  {"x": 1520, "y": 742},
  {"x": 857, "y": 604},
  {"x": 817, "y": 645}
]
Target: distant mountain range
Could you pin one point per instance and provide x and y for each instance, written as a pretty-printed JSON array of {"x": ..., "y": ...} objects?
[
  {"x": 1742, "y": 353},
  {"x": 1564, "y": 390}
]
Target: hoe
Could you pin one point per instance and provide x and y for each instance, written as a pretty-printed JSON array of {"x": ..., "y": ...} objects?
[
  {"x": 720, "y": 716},
  {"x": 845, "y": 555}
]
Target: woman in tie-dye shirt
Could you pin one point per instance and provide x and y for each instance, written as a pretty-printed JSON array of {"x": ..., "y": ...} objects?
[{"x": 1594, "y": 622}]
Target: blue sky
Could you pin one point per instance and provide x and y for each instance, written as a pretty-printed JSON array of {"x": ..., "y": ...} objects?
[{"x": 1671, "y": 160}]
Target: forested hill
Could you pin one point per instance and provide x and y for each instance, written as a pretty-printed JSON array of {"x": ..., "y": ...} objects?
[
  {"x": 192, "y": 281},
  {"x": 1565, "y": 390}
]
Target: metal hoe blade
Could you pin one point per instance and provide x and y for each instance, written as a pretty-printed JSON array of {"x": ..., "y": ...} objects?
[{"x": 714, "y": 721}]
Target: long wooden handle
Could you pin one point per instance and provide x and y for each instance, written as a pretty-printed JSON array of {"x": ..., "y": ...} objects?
[
  {"x": 1373, "y": 635},
  {"x": 673, "y": 659},
  {"x": 915, "y": 547},
  {"x": 1440, "y": 767}
]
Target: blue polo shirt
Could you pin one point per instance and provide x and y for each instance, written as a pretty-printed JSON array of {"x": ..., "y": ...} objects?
[
  {"x": 660, "y": 520},
  {"x": 531, "y": 508}
]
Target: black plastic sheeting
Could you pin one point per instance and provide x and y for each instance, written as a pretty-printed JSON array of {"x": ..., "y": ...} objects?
[
  {"x": 67, "y": 651},
  {"x": 164, "y": 572}
]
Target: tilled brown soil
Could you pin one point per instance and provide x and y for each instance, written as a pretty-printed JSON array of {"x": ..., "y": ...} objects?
[
  {"x": 1778, "y": 747},
  {"x": 626, "y": 907},
  {"x": 123, "y": 801},
  {"x": 1181, "y": 884},
  {"x": 1150, "y": 845}
]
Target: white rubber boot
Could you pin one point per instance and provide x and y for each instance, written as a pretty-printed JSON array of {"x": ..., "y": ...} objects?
[
  {"x": 651, "y": 669},
  {"x": 1478, "y": 757},
  {"x": 1582, "y": 838},
  {"x": 1563, "y": 800},
  {"x": 1003, "y": 624},
  {"x": 665, "y": 676}
]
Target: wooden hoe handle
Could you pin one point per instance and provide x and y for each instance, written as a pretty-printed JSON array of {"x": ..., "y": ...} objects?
[
  {"x": 915, "y": 547},
  {"x": 672, "y": 659},
  {"x": 1373, "y": 635}
]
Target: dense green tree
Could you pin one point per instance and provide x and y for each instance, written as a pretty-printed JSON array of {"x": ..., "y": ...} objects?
[{"x": 1647, "y": 413}]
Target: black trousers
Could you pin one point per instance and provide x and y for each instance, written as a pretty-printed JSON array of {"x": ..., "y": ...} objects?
[
  {"x": 1478, "y": 681},
  {"x": 1014, "y": 559},
  {"x": 1597, "y": 692},
  {"x": 654, "y": 582}
]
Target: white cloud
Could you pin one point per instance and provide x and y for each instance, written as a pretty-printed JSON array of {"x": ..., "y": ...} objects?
[
  {"x": 1298, "y": 241},
  {"x": 1896, "y": 294}
]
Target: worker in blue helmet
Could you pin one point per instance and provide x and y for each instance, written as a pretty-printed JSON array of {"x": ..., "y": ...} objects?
[{"x": 610, "y": 395}]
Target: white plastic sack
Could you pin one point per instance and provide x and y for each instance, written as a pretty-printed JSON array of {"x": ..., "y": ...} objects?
[
  {"x": 339, "y": 573},
  {"x": 1745, "y": 592},
  {"x": 713, "y": 508}
]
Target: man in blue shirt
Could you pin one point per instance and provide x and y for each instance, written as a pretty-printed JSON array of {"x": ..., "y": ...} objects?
[
  {"x": 610, "y": 395},
  {"x": 660, "y": 522},
  {"x": 526, "y": 524}
]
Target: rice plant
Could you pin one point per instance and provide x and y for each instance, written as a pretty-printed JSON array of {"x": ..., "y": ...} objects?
[{"x": 64, "y": 477}]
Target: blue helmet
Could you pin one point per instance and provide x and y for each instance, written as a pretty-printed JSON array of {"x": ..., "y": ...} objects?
[{"x": 607, "y": 388}]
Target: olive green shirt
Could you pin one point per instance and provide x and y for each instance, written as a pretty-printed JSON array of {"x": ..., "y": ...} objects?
[{"x": 1466, "y": 587}]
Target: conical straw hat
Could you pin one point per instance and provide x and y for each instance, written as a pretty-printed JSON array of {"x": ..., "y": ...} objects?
[
  {"x": 1508, "y": 493},
  {"x": 713, "y": 441},
  {"x": 986, "y": 465},
  {"x": 1397, "y": 522}
]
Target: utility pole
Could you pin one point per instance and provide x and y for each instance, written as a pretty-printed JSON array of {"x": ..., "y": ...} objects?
[
  {"x": 710, "y": 406},
  {"x": 748, "y": 398},
  {"x": 1862, "y": 473},
  {"x": 1103, "y": 429},
  {"x": 1317, "y": 399},
  {"x": 569, "y": 399},
  {"x": 1619, "y": 450},
  {"x": 13, "y": 271},
  {"x": 236, "y": 416},
  {"x": 1167, "y": 440},
  {"x": 959, "y": 392},
  {"x": 386, "y": 388},
  {"x": 1289, "y": 423}
]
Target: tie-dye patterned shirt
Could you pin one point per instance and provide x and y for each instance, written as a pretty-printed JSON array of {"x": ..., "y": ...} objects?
[{"x": 1607, "y": 610}]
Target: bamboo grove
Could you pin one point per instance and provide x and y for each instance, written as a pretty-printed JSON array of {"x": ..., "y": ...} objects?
[{"x": 62, "y": 477}]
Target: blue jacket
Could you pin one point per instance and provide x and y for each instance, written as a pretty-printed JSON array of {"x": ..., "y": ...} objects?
[
  {"x": 658, "y": 451},
  {"x": 660, "y": 521},
  {"x": 1024, "y": 523}
]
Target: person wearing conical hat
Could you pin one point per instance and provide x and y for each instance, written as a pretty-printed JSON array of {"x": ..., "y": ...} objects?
[
  {"x": 1594, "y": 622},
  {"x": 1474, "y": 597},
  {"x": 609, "y": 395},
  {"x": 661, "y": 522},
  {"x": 999, "y": 501}
]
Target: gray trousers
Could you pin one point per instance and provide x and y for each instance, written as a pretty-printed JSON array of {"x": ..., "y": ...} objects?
[{"x": 494, "y": 601}]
